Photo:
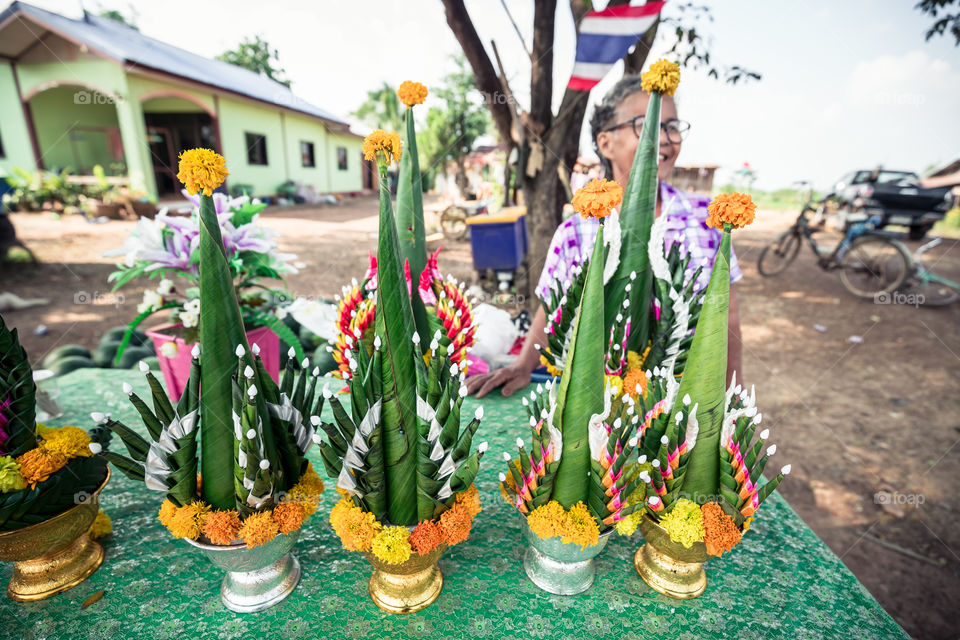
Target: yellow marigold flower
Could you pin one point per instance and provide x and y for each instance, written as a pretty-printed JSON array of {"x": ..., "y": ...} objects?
[
  {"x": 635, "y": 360},
  {"x": 10, "y": 478},
  {"x": 187, "y": 521},
  {"x": 615, "y": 382},
  {"x": 425, "y": 537},
  {"x": 37, "y": 465},
  {"x": 70, "y": 442},
  {"x": 259, "y": 528},
  {"x": 684, "y": 523},
  {"x": 392, "y": 545},
  {"x": 411, "y": 93},
  {"x": 202, "y": 170},
  {"x": 628, "y": 525},
  {"x": 633, "y": 378},
  {"x": 355, "y": 527},
  {"x": 598, "y": 198},
  {"x": 307, "y": 492},
  {"x": 582, "y": 528},
  {"x": 222, "y": 527},
  {"x": 552, "y": 370},
  {"x": 167, "y": 509},
  {"x": 289, "y": 516},
  {"x": 455, "y": 524},
  {"x": 663, "y": 77},
  {"x": 101, "y": 526},
  {"x": 470, "y": 499},
  {"x": 382, "y": 147},
  {"x": 737, "y": 209},
  {"x": 548, "y": 520}
]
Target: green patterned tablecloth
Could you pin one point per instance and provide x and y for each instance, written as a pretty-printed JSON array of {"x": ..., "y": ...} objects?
[{"x": 781, "y": 582}]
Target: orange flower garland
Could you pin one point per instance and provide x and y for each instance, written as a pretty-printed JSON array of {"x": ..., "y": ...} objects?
[
  {"x": 38, "y": 464},
  {"x": 720, "y": 532},
  {"x": 577, "y": 526},
  {"x": 355, "y": 527},
  {"x": 598, "y": 198},
  {"x": 737, "y": 209},
  {"x": 425, "y": 537},
  {"x": 634, "y": 378},
  {"x": 259, "y": 528},
  {"x": 455, "y": 524},
  {"x": 221, "y": 527}
]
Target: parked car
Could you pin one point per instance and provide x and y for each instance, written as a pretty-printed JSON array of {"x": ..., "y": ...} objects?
[{"x": 897, "y": 196}]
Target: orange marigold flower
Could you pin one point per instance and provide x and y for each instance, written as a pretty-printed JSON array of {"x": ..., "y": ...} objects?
[
  {"x": 222, "y": 527},
  {"x": 187, "y": 521},
  {"x": 38, "y": 464},
  {"x": 355, "y": 527},
  {"x": 470, "y": 499},
  {"x": 167, "y": 509},
  {"x": 411, "y": 93},
  {"x": 634, "y": 378},
  {"x": 425, "y": 537},
  {"x": 382, "y": 147},
  {"x": 455, "y": 524},
  {"x": 259, "y": 528},
  {"x": 289, "y": 516},
  {"x": 202, "y": 170},
  {"x": 598, "y": 198},
  {"x": 548, "y": 520},
  {"x": 663, "y": 77},
  {"x": 720, "y": 532},
  {"x": 737, "y": 209}
]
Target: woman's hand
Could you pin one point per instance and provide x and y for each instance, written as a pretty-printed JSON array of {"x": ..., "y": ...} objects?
[{"x": 512, "y": 378}]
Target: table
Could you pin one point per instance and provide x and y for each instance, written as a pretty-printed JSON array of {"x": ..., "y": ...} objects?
[{"x": 780, "y": 582}]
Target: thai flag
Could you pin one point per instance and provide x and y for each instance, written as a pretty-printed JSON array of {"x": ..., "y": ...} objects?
[{"x": 605, "y": 37}]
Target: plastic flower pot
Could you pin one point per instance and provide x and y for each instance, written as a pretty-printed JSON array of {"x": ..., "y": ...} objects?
[
  {"x": 175, "y": 360},
  {"x": 563, "y": 568},
  {"x": 256, "y": 578}
]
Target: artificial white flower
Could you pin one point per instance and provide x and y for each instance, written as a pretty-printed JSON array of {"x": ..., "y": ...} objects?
[
  {"x": 169, "y": 350},
  {"x": 192, "y": 306},
  {"x": 151, "y": 300},
  {"x": 165, "y": 287},
  {"x": 189, "y": 319}
]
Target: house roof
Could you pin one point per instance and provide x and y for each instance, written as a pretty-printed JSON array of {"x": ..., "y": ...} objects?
[{"x": 132, "y": 48}]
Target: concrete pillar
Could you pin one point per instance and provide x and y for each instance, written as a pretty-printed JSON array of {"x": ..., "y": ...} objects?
[{"x": 133, "y": 131}]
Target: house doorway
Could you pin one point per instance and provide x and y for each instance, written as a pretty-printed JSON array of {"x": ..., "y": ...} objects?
[{"x": 173, "y": 126}]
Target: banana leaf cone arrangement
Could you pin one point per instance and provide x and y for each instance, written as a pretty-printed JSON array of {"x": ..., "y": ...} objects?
[
  {"x": 649, "y": 314},
  {"x": 403, "y": 464},
  {"x": 255, "y": 487},
  {"x": 50, "y": 483},
  {"x": 703, "y": 439},
  {"x": 574, "y": 486}
]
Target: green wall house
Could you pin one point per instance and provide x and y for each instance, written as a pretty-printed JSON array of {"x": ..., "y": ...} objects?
[{"x": 75, "y": 93}]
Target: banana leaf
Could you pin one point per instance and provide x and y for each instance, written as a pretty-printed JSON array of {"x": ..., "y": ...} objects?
[
  {"x": 636, "y": 219},
  {"x": 17, "y": 395},
  {"x": 221, "y": 330},
  {"x": 394, "y": 326},
  {"x": 582, "y": 386},
  {"x": 410, "y": 227},
  {"x": 704, "y": 377}
]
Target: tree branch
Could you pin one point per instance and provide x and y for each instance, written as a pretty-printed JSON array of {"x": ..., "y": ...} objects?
[{"x": 541, "y": 63}]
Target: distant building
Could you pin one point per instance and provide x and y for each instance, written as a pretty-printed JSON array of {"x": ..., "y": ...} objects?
[
  {"x": 694, "y": 178},
  {"x": 947, "y": 175},
  {"x": 75, "y": 93}
]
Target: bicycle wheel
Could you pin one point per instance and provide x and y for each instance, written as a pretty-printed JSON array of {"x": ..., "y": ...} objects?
[
  {"x": 874, "y": 266},
  {"x": 778, "y": 255},
  {"x": 453, "y": 221}
]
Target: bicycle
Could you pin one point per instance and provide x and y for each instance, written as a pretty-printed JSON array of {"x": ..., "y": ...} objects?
[
  {"x": 922, "y": 283},
  {"x": 871, "y": 262}
]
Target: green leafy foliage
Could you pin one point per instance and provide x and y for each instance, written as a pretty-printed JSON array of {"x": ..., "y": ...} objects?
[{"x": 17, "y": 395}]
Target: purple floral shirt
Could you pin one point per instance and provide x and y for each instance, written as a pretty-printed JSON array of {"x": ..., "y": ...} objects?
[{"x": 686, "y": 222}]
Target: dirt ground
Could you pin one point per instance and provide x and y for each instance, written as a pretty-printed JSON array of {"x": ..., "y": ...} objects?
[{"x": 871, "y": 428}]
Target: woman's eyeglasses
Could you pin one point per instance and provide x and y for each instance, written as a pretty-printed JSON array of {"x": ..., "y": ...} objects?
[{"x": 676, "y": 130}]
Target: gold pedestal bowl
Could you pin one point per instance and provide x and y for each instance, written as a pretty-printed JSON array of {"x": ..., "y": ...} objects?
[
  {"x": 407, "y": 587},
  {"x": 54, "y": 555},
  {"x": 668, "y": 566}
]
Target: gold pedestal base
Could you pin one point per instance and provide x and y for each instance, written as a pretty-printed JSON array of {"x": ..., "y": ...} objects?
[
  {"x": 669, "y": 576},
  {"x": 408, "y": 587},
  {"x": 53, "y": 573}
]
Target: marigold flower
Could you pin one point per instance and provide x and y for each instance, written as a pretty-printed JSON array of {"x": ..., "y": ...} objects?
[
  {"x": 37, "y": 465},
  {"x": 598, "y": 198},
  {"x": 470, "y": 499},
  {"x": 392, "y": 545},
  {"x": 635, "y": 360},
  {"x": 684, "y": 523},
  {"x": 720, "y": 532},
  {"x": 355, "y": 527},
  {"x": 259, "y": 528},
  {"x": 581, "y": 528},
  {"x": 101, "y": 527},
  {"x": 455, "y": 524},
  {"x": 382, "y": 147},
  {"x": 289, "y": 516},
  {"x": 10, "y": 478},
  {"x": 615, "y": 383},
  {"x": 187, "y": 521},
  {"x": 633, "y": 378},
  {"x": 552, "y": 370},
  {"x": 167, "y": 509},
  {"x": 548, "y": 520},
  {"x": 202, "y": 170},
  {"x": 662, "y": 77},
  {"x": 222, "y": 527},
  {"x": 737, "y": 209},
  {"x": 425, "y": 537},
  {"x": 70, "y": 442},
  {"x": 411, "y": 93},
  {"x": 307, "y": 492}
]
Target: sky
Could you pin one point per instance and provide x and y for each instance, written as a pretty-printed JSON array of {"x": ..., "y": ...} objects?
[{"x": 845, "y": 85}]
